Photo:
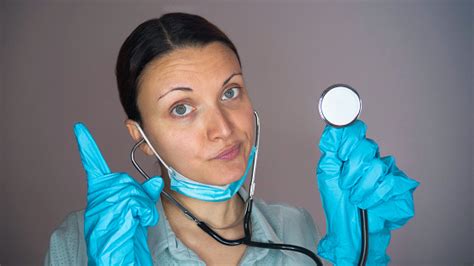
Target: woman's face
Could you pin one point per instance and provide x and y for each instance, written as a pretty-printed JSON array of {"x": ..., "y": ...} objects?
[{"x": 197, "y": 113}]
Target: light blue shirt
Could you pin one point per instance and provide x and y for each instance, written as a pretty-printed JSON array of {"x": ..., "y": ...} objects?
[{"x": 277, "y": 223}]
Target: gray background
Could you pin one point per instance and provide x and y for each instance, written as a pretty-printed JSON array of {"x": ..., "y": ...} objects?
[{"x": 411, "y": 61}]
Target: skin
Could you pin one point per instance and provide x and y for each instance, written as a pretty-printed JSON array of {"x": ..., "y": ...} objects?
[{"x": 190, "y": 128}]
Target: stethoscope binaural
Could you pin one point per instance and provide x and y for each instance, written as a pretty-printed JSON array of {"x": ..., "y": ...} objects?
[{"x": 324, "y": 111}]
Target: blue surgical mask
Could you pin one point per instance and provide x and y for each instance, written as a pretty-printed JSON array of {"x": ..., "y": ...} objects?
[{"x": 197, "y": 190}]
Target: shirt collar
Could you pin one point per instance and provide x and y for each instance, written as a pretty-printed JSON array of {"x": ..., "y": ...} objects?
[{"x": 262, "y": 231}]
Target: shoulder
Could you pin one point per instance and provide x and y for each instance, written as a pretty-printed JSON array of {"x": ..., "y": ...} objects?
[
  {"x": 293, "y": 225},
  {"x": 67, "y": 244}
]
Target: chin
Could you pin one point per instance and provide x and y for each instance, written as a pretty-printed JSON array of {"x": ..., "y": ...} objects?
[
  {"x": 226, "y": 172},
  {"x": 224, "y": 177}
]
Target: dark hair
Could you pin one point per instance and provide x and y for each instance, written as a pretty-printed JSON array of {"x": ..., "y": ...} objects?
[{"x": 157, "y": 37}]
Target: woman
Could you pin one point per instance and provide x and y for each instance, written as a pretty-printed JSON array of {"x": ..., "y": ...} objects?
[{"x": 181, "y": 84}]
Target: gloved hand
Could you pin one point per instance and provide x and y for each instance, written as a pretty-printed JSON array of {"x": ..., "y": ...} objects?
[
  {"x": 352, "y": 175},
  {"x": 118, "y": 209}
]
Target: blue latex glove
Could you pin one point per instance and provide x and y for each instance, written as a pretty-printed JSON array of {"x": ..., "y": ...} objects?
[
  {"x": 352, "y": 175},
  {"x": 119, "y": 210}
]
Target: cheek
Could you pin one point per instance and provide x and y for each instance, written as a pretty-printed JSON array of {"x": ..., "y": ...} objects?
[
  {"x": 176, "y": 145},
  {"x": 246, "y": 123}
]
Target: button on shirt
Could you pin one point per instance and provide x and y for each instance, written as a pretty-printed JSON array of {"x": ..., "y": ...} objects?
[{"x": 274, "y": 223}]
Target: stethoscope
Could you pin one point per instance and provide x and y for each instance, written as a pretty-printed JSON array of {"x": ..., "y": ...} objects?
[
  {"x": 329, "y": 97},
  {"x": 339, "y": 106}
]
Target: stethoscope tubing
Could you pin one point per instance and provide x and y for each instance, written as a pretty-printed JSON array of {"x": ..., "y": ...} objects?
[
  {"x": 246, "y": 240},
  {"x": 365, "y": 237}
]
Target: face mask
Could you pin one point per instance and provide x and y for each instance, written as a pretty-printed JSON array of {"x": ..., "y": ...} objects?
[{"x": 200, "y": 191}]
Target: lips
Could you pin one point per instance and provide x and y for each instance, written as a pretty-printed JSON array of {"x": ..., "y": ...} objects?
[{"x": 230, "y": 153}]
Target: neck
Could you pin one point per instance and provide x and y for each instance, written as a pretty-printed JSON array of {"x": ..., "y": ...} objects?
[{"x": 216, "y": 214}]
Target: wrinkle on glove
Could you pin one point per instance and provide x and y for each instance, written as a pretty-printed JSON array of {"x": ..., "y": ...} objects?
[
  {"x": 352, "y": 175},
  {"x": 119, "y": 210}
]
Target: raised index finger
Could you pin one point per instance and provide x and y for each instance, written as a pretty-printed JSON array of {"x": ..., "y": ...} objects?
[{"x": 92, "y": 160}]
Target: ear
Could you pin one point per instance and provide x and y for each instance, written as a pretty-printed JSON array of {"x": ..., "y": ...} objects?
[{"x": 136, "y": 136}]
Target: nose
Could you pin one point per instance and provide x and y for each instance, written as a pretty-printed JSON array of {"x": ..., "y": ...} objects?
[{"x": 219, "y": 125}]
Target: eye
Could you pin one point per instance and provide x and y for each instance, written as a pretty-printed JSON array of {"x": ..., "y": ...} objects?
[
  {"x": 181, "y": 110},
  {"x": 231, "y": 93}
]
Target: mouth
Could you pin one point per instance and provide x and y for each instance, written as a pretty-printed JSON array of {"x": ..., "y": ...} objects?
[{"x": 230, "y": 153}]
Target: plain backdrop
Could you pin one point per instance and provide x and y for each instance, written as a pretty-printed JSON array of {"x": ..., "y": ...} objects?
[{"x": 411, "y": 61}]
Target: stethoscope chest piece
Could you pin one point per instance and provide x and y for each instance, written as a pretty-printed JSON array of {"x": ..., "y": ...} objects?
[{"x": 340, "y": 105}]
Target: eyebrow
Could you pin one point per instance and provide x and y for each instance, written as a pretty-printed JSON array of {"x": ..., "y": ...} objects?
[
  {"x": 189, "y": 89},
  {"x": 231, "y": 76}
]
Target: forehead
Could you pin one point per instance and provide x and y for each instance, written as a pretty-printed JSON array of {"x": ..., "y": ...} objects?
[{"x": 210, "y": 63}]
